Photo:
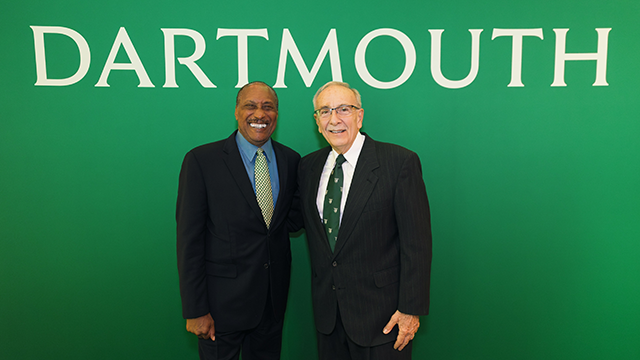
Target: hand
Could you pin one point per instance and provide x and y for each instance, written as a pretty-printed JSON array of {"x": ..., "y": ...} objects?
[
  {"x": 203, "y": 327},
  {"x": 407, "y": 325}
]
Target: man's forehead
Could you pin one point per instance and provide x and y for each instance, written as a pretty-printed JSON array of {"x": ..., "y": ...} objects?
[
  {"x": 256, "y": 101},
  {"x": 253, "y": 96},
  {"x": 337, "y": 91}
]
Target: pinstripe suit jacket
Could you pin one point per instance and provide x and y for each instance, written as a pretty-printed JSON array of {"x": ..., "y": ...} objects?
[{"x": 382, "y": 259}]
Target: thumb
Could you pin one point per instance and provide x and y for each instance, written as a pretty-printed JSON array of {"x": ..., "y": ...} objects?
[
  {"x": 212, "y": 330},
  {"x": 387, "y": 328}
]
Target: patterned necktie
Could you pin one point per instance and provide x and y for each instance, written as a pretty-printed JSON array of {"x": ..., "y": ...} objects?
[
  {"x": 263, "y": 186},
  {"x": 332, "y": 201}
]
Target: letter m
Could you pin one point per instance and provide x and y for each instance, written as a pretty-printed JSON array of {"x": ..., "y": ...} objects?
[{"x": 289, "y": 47}]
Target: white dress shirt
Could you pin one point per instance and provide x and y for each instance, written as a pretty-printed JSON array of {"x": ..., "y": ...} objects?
[{"x": 348, "y": 168}]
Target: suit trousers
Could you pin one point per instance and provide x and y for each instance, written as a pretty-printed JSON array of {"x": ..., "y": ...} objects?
[
  {"x": 263, "y": 342},
  {"x": 338, "y": 346}
]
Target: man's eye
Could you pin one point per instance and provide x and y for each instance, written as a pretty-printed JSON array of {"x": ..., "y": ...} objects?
[
  {"x": 250, "y": 107},
  {"x": 324, "y": 111},
  {"x": 267, "y": 108}
]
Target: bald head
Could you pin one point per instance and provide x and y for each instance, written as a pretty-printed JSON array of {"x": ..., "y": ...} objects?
[
  {"x": 337, "y": 83},
  {"x": 257, "y": 83}
]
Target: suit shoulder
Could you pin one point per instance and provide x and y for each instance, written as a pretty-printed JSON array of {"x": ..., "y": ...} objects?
[
  {"x": 311, "y": 157},
  {"x": 205, "y": 153},
  {"x": 394, "y": 151},
  {"x": 320, "y": 152},
  {"x": 287, "y": 151},
  {"x": 207, "y": 148}
]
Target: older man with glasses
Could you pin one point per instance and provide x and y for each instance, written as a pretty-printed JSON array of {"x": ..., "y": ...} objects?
[{"x": 368, "y": 227}]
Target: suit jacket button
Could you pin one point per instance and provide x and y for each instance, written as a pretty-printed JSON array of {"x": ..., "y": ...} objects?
[
  {"x": 335, "y": 263},
  {"x": 266, "y": 266},
  {"x": 333, "y": 287}
]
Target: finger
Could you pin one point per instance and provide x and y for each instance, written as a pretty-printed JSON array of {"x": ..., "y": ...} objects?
[
  {"x": 403, "y": 345},
  {"x": 400, "y": 340},
  {"x": 397, "y": 344},
  {"x": 406, "y": 341},
  {"x": 387, "y": 328}
]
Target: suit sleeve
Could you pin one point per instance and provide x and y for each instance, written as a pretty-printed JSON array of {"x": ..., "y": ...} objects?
[
  {"x": 191, "y": 217},
  {"x": 294, "y": 220},
  {"x": 414, "y": 228}
]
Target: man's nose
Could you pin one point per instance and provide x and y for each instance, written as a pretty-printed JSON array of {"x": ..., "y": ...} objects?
[{"x": 334, "y": 119}]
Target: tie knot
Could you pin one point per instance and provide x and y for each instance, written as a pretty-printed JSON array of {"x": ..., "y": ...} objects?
[
  {"x": 340, "y": 160},
  {"x": 260, "y": 151}
]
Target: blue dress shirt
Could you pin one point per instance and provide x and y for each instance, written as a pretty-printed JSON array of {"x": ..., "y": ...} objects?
[{"x": 248, "y": 154}]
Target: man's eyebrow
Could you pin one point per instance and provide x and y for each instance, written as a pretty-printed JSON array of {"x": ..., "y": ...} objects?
[{"x": 251, "y": 102}]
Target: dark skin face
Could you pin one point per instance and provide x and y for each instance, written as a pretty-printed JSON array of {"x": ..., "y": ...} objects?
[{"x": 257, "y": 114}]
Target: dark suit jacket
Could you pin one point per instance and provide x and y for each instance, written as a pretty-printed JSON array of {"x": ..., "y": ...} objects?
[
  {"x": 382, "y": 259},
  {"x": 227, "y": 258}
]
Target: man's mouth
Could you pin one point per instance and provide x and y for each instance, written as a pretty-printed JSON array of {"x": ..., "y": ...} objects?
[
  {"x": 336, "y": 131},
  {"x": 258, "y": 125}
]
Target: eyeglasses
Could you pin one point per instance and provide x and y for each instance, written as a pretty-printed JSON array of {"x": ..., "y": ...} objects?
[{"x": 341, "y": 110}]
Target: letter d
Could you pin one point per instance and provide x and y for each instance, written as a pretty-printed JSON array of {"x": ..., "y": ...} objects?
[{"x": 41, "y": 64}]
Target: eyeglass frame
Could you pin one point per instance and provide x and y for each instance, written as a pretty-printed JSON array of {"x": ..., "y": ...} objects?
[{"x": 317, "y": 112}]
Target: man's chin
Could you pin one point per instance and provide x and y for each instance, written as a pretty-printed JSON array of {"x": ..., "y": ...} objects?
[
  {"x": 338, "y": 145},
  {"x": 258, "y": 138},
  {"x": 340, "y": 138}
]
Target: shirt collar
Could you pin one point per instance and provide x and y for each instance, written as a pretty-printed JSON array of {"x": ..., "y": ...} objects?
[
  {"x": 249, "y": 150},
  {"x": 353, "y": 153}
]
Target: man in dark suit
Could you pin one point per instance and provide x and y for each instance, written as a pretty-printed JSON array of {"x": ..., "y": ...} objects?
[
  {"x": 236, "y": 205},
  {"x": 368, "y": 227}
]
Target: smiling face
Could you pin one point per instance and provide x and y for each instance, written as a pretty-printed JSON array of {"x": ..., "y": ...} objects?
[
  {"x": 256, "y": 113},
  {"x": 339, "y": 131}
]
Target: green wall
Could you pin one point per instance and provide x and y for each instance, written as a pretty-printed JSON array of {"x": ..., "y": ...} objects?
[{"x": 534, "y": 190}]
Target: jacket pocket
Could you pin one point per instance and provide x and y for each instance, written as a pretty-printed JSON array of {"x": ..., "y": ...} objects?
[{"x": 386, "y": 277}]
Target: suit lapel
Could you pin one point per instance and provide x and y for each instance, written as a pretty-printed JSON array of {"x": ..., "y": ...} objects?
[
  {"x": 362, "y": 185},
  {"x": 283, "y": 173},
  {"x": 236, "y": 167}
]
